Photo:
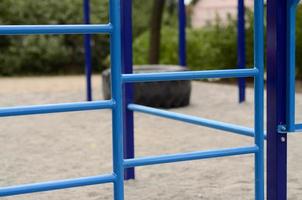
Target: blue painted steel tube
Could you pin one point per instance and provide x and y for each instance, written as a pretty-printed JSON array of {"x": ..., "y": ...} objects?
[
  {"x": 182, "y": 21},
  {"x": 291, "y": 64},
  {"x": 241, "y": 48},
  {"x": 276, "y": 99},
  {"x": 259, "y": 97},
  {"x": 198, "y": 155},
  {"x": 127, "y": 50},
  {"x": 298, "y": 127},
  {"x": 55, "y": 185},
  {"x": 241, "y": 130},
  {"x": 189, "y": 75},
  {"x": 55, "y": 108},
  {"x": 117, "y": 95},
  {"x": 55, "y": 29},
  {"x": 87, "y": 46}
]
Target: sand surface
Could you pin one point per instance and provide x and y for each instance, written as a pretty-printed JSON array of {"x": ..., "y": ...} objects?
[{"x": 70, "y": 145}]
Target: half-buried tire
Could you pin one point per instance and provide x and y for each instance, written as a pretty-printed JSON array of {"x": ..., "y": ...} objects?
[{"x": 167, "y": 94}]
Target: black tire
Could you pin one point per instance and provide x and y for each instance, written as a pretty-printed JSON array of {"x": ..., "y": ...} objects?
[{"x": 168, "y": 94}]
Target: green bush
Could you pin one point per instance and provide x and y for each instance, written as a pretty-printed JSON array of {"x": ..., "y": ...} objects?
[
  {"x": 212, "y": 47},
  {"x": 21, "y": 55},
  {"x": 46, "y": 54}
]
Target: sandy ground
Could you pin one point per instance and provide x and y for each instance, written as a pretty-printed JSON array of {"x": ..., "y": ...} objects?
[{"x": 69, "y": 145}]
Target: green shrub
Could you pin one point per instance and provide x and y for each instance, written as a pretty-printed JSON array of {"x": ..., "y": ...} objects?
[
  {"x": 49, "y": 54},
  {"x": 21, "y": 55},
  {"x": 212, "y": 47}
]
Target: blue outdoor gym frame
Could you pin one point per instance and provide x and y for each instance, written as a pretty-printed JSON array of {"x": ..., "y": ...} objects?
[
  {"x": 182, "y": 53},
  {"x": 129, "y": 150},
  {"x": 118, "y": 106},
  {"x": 281, "y": 46}
]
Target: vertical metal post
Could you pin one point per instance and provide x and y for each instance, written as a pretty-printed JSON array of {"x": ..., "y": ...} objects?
[
  {"x": 126, "y": 7},
  {"x": 291, "y": 64},
  {"x": 87, "y": 46},
  {"x": 241, "y": 51},
  {"x": 117, "y": 96},
  {"x": 259, "y": 97},
  {"x": 276, "y": 99},
  {"x": 182, "y": 33}
]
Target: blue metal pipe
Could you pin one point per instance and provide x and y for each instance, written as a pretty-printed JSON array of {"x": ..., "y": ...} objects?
[
  {"x": 259, "y": 97},
  {"x": 241, "y": 130},
  {"x": 55, "y": 185},
  {"x": 87, "y": 46},
  {"x": 54, "y": 29},
  {"x": 182, "y": 21},
  {"x": 241, "y": 48},
  {"x": 276, "y": 99},
  {"x": 55, "y": 108},
  {"x": 117, "y": 95},
  {"x": 291, "y": 65},
  {"x": 198, "y": 155},
  {"x": 127, "y": 50},
  {"x": 189, "y": 75},
  {"x": 298, "y": 127}
]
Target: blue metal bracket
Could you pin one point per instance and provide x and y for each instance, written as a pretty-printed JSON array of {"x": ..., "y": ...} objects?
[
  {"x": 282, "y": 129},
  {"x": 291, "y": 65}
]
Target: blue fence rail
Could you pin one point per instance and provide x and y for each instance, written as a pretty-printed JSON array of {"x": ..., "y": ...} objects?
[{"x": 118, "y": 106}]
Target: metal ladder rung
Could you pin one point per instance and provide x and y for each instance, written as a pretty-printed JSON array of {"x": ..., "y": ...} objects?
[
  {"x": 190, "y": 75},
  {"x": 56, "y": 185},
  {"x": 55, "y": 108},
  {"x": 198, "y": 155},
  {"x": 55, "y": 29},
  {"x": 241, "y": 130}
]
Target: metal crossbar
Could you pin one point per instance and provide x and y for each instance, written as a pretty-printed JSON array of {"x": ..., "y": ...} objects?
[
  {"x": 54, "y": 29},
  {"x": 56, "y": 185},
  {"x": 55, "y": 108},
  {"x": 198, "y": 155},
  {"x": 241, "y": 130},
  {"x": 117, "y": 107},
  {"x": 227, "y": 127},
  {"x": 189, "y": 75},
  {"x": 232, "y": 128}
]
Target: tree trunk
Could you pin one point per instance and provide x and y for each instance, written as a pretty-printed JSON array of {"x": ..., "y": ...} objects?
[{"x": 155, "y": 23}]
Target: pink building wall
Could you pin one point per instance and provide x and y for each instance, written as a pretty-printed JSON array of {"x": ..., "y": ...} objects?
[{"x": 206, "y": 11}]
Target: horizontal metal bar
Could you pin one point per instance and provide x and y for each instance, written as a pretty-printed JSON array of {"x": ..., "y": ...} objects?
[
  {"x": 55, "y": 108},
  {"x": 198, "y": 155},
  {"x": 241, "y": 130},
  {"x": 56, "y": 185},
  {"x": 55, "y": 29},
  {"x": 298, "y": 127},
  {"x": 189, "y": 75}
]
